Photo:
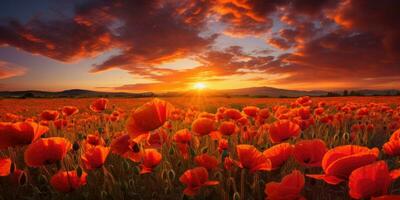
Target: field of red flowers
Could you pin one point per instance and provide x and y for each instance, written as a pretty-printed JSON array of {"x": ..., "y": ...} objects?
[{"x": 204, "y": 148}]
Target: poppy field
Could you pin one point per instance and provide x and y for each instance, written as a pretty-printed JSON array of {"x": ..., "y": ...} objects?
[{"x": 211, "y": 148}]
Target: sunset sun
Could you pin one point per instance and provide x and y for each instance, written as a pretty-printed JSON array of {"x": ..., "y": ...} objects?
[{"x": 199, "y": 86}]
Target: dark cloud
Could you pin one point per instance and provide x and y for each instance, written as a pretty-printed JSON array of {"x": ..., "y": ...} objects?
[{"x": 325, "y": 41}]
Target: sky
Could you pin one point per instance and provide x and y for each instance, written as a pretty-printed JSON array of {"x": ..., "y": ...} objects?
[{"x": 172, "y": 45}]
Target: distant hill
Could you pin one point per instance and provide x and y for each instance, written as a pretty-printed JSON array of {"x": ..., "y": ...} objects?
[{"x": 249, "y": 92}]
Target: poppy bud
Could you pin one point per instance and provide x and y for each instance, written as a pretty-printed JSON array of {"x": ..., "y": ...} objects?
[{"x": 75, "y": 146}]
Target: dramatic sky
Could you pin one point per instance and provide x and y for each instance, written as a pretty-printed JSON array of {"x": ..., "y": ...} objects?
[{"x": 158, "y": 45}]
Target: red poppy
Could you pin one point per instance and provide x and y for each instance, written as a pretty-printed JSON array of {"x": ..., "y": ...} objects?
[
  {"x": 288, "y": 189},
  {"x": 67, "y": 181},
  {"x": 95, "y": 157},
  {"x": 94, "y": 140},
  {"x": 304, "y": 113},
  {"x": 122, "y": 146},
  {"x": 264, "y": 113},
  {"x": 148, "y": 117},
  {"x": 99, "y": 105},
  {"x": 150, "y": 159},
  {"x": 309, "y": 153},
  {"x": 206, "y": 161},
  {"x": 279, "y": 154},
  {"x": 222, "y": 145},
  {"x": 319, "y": 111},
  {"x": 215, "y": 135},
  {"x": 60, "y": 123},
  {"x": 252, "y": 159},
  {"x": 395, "y": 136},
  {"x": 157, "y": 139},
  {"x": 69, "y": 110},
  {"x": 49, "y": 115},
  {"x": 46, "y": 151},
  {"x": 251, "y": 111},
  {"x": 194, "y": 179},
  {"x": 5, "y": 166},
  {"x": 19, "y": 133},
  {"x": 232, "y": 114},
  {"x": 370, "y": 180},
  {"x": 228, "y": 163},
  {"x": 183, "y": 138},
  {"x": 340, "y": 161},
  {"x": 203, "y": 126},
  {"x": 227, "y": 128},
  {"x": 282, "y": 130},
  {"x": 304, "y": 101},
  {"x": 392, "y": 148}
]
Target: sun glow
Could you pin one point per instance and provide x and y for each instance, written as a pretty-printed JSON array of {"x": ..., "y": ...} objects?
[{"x": 199, "y": 86}]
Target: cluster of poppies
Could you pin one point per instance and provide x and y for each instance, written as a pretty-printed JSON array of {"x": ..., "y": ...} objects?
[{"x": 281, "y": 150}]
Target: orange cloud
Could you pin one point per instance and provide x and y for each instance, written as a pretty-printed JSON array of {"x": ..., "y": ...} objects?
[{"x": 8, "y": 70}]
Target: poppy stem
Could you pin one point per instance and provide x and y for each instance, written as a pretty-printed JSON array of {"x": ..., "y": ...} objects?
[{"x": 242, "y": 182}]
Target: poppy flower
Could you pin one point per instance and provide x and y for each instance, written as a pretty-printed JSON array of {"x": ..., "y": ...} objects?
[
  {"x": 252, "y": 159},
  {"x": 395, "y": 136},
  {"x": 5, "y": 166},
  {"x": 19, "y": 133},
  {"x": 49, "y": 115},
  {"x": 69, "y": 110},
  {"x": 278, "y": 154},
  {"x": 157, "y": 139},
  {"x": 46, "y": 151},
  {"x": 206, "y": 161},
  {"x": 222, "y": 145},
  {"x": 309, "y": 153},
  {"x": 99, "y": 105},
  {"x": 340, "y": 161},
  {"x": 392, "y": 148},
  {"x": 94, "y": 140},
  {"x": 60, "y": 123},
  {"x": 194, "y": 179},
  {"x": 95, "y": 157},
  {"x": 282, "y": 130},
  {"x": 150, "y": 159},
  {"x": 228, "y": 163},
  {"x": 67, "y": 181},
  {"x": 227, "y": 128},
  {"x": 251, "y": 111},
  {"x": 148, "y": 117},
  {"x": 304, "y": 101},
  {"x": 183, "y": 138},
  {"x": 122, "y": 146},
  {"x": 370, "y": 180},
  {"x": 304, "y": 113},
  {"x": 215, "y": 135},
  {"x": 288, "y": 189},
  {"x": 232, "y": 114},
  {"x": 203, "y": 126},
  {"x": 264, "y": 113}
]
